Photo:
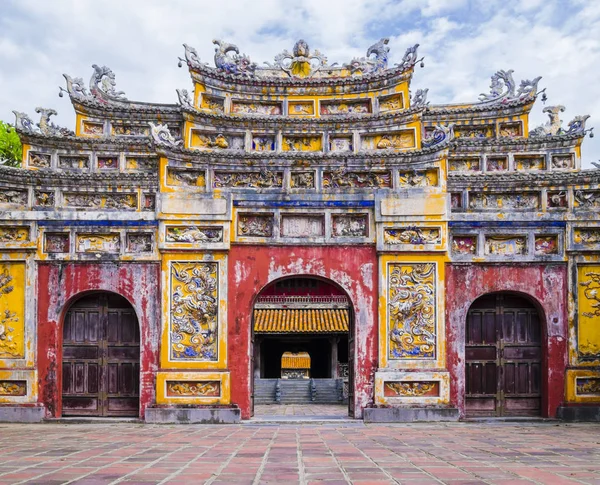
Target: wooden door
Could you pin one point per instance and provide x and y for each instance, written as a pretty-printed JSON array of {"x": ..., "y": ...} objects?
[
  {"x": 503, "y": 357},
  {"x": 101, "y": 358}
]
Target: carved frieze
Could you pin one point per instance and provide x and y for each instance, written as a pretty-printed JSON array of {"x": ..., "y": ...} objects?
[
  {"x": 464, "y": 244},
  {"x": 531, "y": 162},
  {"x": 472, "y": 164},
  {"x": 191, "y": 234},
  {"x": 265, "y": 179},
  {"x": 101, "y": 201},
  {"x": 130, "y": 130},
  {"x": 308, "y": 143},
  {"x": 302, "y": 226},
  {"x": 39, "y": 160},
  {"x": 98, "y": 243},
  {"x": 412, "y": 235},
  {"x": 342, "y": 178},
  {"x": 139, "y": 242},
  {"x": 302, "y": 180},
  {"x": 588, "y": 386},
  {"x": 12, "y": 310},
  {"x": 10, "y": 234},
  {"x": 586, "y": 236},
  {"x": 301, "y": 108},
  {"x": 341, "y": 144},
  {"x": 74, "y": 162},
  {"x": 350, "y": 225},
  {"x": 146, "y": 164},
  {"x": 56, "y": 242},
  {"x": 492, "y": 201},
  {"x": 194, "y": 388},
  {"x": 468, "y": 131},
  {"x": 398, "y": 140},
  {"x": 510, "y": 130},
  {"x": 418, "y": 178},
  {"x": 263, "y": 143},
  {"x": 186, "y": 178},
  {"x": 587, "y": 199},
  {"x": 411, "y": 311},
  {"x": 557, "y": 199},
  {"x": 345, "y": 107},
  {"x": 194, "y": 316},
  {"x": 505, "y": 245},
  {"x": 255, "y": 225},
  {"x": 251, "y": 108},
  {"x": 16, "y": 197},
  {"x": 108, "y": 163},
  {"x": 217, "y": 141},
  {"x": 412, "y": 389},
  {"x": 93, "y": 129},
  {"x": 13, "y": 388},
  {"x": 561, "y": 162},
  {"x": 392, "y": 102},
  {"x": 545, "y": 245}
]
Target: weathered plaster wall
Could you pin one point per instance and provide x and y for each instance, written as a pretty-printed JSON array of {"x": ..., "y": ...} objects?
[
  {"x": 546, "y": 285},
  {"x": 252, "y": 267},
  {"x": 59, "y": 285}
]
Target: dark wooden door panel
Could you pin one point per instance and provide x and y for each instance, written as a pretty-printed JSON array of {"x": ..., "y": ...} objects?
[
  {"x": 101, "y": 354},
  {"x": 503, "y": 357}
]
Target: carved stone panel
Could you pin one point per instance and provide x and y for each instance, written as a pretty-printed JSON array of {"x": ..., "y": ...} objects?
[
  {"x": 108, "y": 163},
  {"x": 74, "y": 162},
  {"x": 265, "y": 179},
  {"x": 139, "y": 242},
  {"x": 13, "y": 388},
  {"x": 10, "y": 234},
  {"x": 193, "y": 388},
  {"x": 350, "y": 225},
  {"x": 392, "y": 102},
  {"x": 255, "y": 225},
  {"x": 146, "y": 164},
  {"x": 397, "y": 140},
  {"x": 418, "y": 178},
  {"x": 588, "y": 311},
  {"x": 345, "y": 107},
  {"x": 56, "y": 242},
  {"x": 587, "y": 199},
  {"x": 194, "y": 315},
  {"x": 587, "y": 386},
  {"x": 302, "y": 180},
  {"x": 341, "y": 143},
  {"x": 411, "y": 389},
  {"x": 13, "y": 197},
  {"x": 464, "y": 244},
  {"x": 148, "y": 202},
  {"x": 40, "y": 160},
  {"x": 93, "y": 129},
  {"x": 496, "y": 164},
  {"x": 412, "y": 235},
  {"x": 510, "y": 130},
  {"x": 192, "y": 234},
  {"x": 98, "y": 243},
  {"x": 301, "y": 108},
  {"x": 493, "y": 201},
  {"x": 468, "y": 131},
  {"x": 302, "y": 143},
  {"x": 302, "y": 226},
  {"x": 12, "y": 310},
  {"x": 557, "y": 199},
  {"x": 341, "y": 178},
  {"x": 251, "y": 108},
  {"x": 217, "y": 141},
  {"x": 43, "y": 198},
  {"x": 545, "y": 245},
  {"x": 101, "y": 201},
  {"x": 531, "y": 162},
  {"x": 470, "y": 164},
  {"x": 561, "y": 162},
  {"x": 586, "y": 236},
  {"x": 506, "y": 245},
  {"x": 412, "y": 311},
  {"x": 456, "y": 200},
  {"x": 130, "y": 130},
  {"x": 263, "y": 143},
  {"x": 213, "y": 103},
  {"x": 186, "y": 178}
]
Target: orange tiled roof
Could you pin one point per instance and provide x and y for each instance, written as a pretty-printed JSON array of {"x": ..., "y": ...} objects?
[{"x": 304, "y": 320}]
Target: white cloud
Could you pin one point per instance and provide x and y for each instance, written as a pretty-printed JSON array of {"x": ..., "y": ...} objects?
[{"x": 464, "y": 41}]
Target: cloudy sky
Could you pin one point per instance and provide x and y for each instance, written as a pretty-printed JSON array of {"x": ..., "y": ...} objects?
[{"x": 464, "y": 42}]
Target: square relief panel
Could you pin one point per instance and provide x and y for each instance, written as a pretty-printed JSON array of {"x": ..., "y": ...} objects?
[
  {"x": 393, "y": 102},
  {"x": 255, "y": 225},
  {"x": 55, "y": 242},
  {"x": 562, "y": 161},
  {"x": 74, "y": 162},
  {"x": 496, "y": 164},
  {"x": 510, "y": 130},
  {"x": 546, "y": 244},
  {"x": 212, "y": 103},
  {"x": 39, "y": 160},
  {"x": 302, "y": 180},
  {"x": 532, "y": 162},
  {"x": 263, "y": 143},
  {"x": 341, "y": 143},
  {"x": 467, "y": 164}
]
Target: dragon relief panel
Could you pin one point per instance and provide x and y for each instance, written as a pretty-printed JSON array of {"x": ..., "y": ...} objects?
[
  {"x": 302, "y": 143},
  {"x": 493, "y": 201},
  {"x": 12, "y": 310},
  {"x": 10, "y": 234},
  {"x": 264, "y": 179},
  {"x": 350, "y": 225},
  {"x": 342, "y": 178},
  {"x": 418, "y": 178},
  {"x": 101, "y": 201},
  {"x": 39, "y": 160},
  {"x": 194, "y": 312},
  {"x": 252, "y": 108},
  {"x": 412, "y": 389},
  {"x": 186, "y": 178},
  {"x": 13, "y": 388},
  {"x": 217, "y": 141},
  {"x": 505, "y": 245},
  {"x": 412, "y": 235},
  {"x": 472, "y": 164},
  {"x": 411, "y": 311},
  {"x": 193, "y": 388},
  {"x": 588, "y": 306},
  {"x": 399, "y": 140},
  {"x": 345, "y": 107},
  {"x": 192, "y": 234}
]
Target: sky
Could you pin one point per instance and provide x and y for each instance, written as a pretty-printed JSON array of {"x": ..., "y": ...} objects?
[{"x": 464, "y": 42}]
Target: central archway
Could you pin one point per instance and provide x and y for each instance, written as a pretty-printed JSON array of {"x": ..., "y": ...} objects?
[{"x": 302, "y": 336}]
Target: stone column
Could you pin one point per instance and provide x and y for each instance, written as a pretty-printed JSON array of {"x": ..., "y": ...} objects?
[
  {"x": 256, "y": 350},
  {"x": 334, "y": 356}
]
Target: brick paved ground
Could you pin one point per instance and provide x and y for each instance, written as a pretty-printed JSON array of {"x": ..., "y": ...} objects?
[{"x": 457, "y": 453}]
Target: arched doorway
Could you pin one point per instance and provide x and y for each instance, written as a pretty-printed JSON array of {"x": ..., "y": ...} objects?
[
  {"x": 101, "y": 357},
  {"x": 503, "y": 355},
  {"x": 302, "y": 339}
]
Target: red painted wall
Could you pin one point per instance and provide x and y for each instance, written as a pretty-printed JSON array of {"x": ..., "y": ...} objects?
[
  {"x": 252, "y": 267},
  {"x": 60, "y": 284},
  {"x": 546, "y": 285}
]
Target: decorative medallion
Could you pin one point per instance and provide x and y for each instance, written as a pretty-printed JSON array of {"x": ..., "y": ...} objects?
[
  {"x": 412, "y": 311},
  {"x": 301, "y": 108},
  {"x": 194, "y": 311}
]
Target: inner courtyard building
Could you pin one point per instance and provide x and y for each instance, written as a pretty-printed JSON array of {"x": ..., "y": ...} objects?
[{"x": 302, "y": 232}]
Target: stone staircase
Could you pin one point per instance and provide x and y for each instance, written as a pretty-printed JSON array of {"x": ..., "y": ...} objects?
[{"x": 298, "y": 391}]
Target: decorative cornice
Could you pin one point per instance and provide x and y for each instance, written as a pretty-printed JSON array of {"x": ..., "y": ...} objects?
[
  {"x": 71, "y": 142},
  {"x": 507, "y": 143}
]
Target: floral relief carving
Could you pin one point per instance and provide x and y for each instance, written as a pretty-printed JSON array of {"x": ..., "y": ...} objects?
[
  {"x": 194, "y": 388},
  {"x": 412, "y": 311},
  {"x": 255, "y": 225},
  {"x": 341, "y": 178},
  {"x": 265, "y": 179},
  {"x": 190, "y": 234},
  {"x": 391, "y": 103},
  {"x": 510, "y": 130},
  {"x": 389, "y": 141},
  {"x": 194, "y": 311},
  {"x": 413, "y": 235}
]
